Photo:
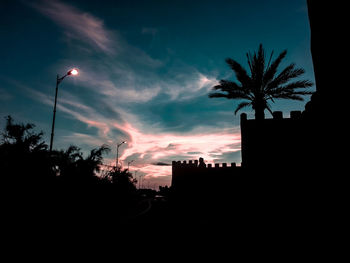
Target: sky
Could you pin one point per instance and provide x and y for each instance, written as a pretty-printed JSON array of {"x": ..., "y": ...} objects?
[{"x": 145, "y": 71}]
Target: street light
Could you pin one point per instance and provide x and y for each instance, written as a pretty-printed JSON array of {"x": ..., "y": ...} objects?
[
  {"x": 117, "y": 162},
  {"x": 130, "y": 163},
  {"x": 135, "y": 177},
  {"x": 73, "y": 72}
]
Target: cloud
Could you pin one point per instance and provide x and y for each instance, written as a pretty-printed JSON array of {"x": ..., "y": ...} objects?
[
  {"x": 188, "y": 86},
  {"x": 161, "y": 164},
  {"x": 154, "y": 147},
  {"x": 77, "y": 24},
  {"x": 123, "y": 72},
  {"x": 119, "y": 82},
  {"x": 149, "y": 146},
  {"x": 110, "y": 89},
  {"x": 83, "y": 139}
]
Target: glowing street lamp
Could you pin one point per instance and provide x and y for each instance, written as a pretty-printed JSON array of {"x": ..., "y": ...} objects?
[
  {"x": 118, "y": 145},
  {"x": 73, "y": 72}
]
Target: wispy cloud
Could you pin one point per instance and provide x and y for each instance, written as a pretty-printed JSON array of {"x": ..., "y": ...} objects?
[
  {"x": 111, "y": 86},
  {"x": 129, "y": 76},
  {"x": 148, "y": 146},
  {"x": 77, "y": 24},
  {"x": 193, "y": 84}
]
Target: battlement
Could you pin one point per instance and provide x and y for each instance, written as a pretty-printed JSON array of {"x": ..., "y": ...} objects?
[
  {"x": 197, "y": 174},
  {"x": 265, "y": 142},
  {"x": 276, "y": 115},
  {"x": 195, "y": 164}
]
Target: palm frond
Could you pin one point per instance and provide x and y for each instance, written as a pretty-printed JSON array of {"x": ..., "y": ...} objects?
[
  {"x": 294, "y": 97},
  {"x": 226, "y": 84},
  {"x": 256, "y": 64},
  {"x": 217, "y": 95},
  {"x": 229, "y": 95},
  {"x": 242, "y": 105},
  {"x": 291, "y": 96},
  {"x": 260, "y": 64},
  {"x": 241, "y": 73},
  {"x": 271, "y": 70},
  {"x": 291, "y": 88},
  {"x": 286, "y": 75},
  {"x": 268, "y": 64},
  {"x": 232, "y": 89},
  {"x": 249, "y": 60},
  {"x": 300, "y": 84}
]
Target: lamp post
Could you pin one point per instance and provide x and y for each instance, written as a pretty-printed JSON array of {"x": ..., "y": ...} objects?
[
  {"x": 118, "y": 145},
  {"x": 58, "y": 81},
  {"x": 130, "y": 163},
  {"x": 141, "y": 181},
  {"x": 135, "y": 177}
]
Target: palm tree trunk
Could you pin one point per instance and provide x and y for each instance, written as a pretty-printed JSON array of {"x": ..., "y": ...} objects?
[{"x": 259, "y": 113}]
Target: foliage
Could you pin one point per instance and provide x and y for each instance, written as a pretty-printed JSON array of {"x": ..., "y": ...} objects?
[
  {"x": 121, "y": 179},
  {"x": 21, "y": 137},
  {"x": 263, "y": 84},
  {"x": 70, "y": 164},
  {"x": 25, "y": 158},
  {"x": 23, "y": 153}
]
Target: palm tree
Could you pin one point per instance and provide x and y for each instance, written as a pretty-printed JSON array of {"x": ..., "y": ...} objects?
[
  {"x": 73, "y": 167},
  {"x": 262, "y": 85}
]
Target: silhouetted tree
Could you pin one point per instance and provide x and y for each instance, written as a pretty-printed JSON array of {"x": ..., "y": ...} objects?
[
  {"x": 262, "y": 85},
  {"x": 121, "y": 179},
  {"x": 71, "y": 166},
  {"x": 25, "y": 158},
  {"x": 65, "y": 161},
  {"x": 23, "y": 153}
]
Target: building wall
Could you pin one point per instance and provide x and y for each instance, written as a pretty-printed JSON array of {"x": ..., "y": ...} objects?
[
  {"x": 190, "y": 177},
  {"x": 275, "y": 143}
]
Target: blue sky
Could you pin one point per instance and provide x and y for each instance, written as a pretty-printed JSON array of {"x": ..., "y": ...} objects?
[{"x": 146, "y": 68}]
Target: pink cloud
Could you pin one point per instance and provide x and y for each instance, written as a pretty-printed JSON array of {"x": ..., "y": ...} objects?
[
  {"x": 83, "y": 139},
  {"x": 77, "y": 24},
  {"x": 168, "y": 146},
  {"x": 148, "y": 145}
]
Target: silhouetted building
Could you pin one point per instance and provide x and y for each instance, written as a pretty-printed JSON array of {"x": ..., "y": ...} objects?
[
  {"x": 294, "y": 149},
  {"x": 194, "y": 176},
  {"x": 274, "y": 144}
]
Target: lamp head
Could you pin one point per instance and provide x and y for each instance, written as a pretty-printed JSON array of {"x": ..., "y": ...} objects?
[
  {"x": 73, "y": 72},
  {"x": 121, "y": 143}
]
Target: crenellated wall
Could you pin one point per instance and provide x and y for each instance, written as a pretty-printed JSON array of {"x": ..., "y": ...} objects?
[
  {"x": 287, "y": 153},
  {"x": 268, "y": 145},
  {"x": 274, "y": 143},
  {"x": 188, "y": 175},
  {"x": 194, "y": 164}
]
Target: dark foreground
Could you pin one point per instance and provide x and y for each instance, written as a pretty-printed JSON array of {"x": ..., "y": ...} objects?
[{"x": 253, "y": 204}]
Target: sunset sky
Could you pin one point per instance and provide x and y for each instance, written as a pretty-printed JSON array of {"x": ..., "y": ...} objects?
[{"x": 145, "y": 70}]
